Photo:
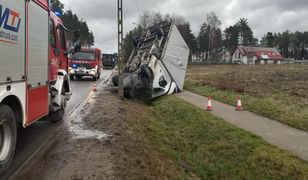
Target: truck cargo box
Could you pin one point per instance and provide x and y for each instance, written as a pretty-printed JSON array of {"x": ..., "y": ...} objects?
[
  {"x": 12, "y": 41},
  {"x": 157, "y": 65}
]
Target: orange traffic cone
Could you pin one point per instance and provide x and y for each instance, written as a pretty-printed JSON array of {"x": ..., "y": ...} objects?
[
  {"x": 94, "y": 87},
  {"x": 209, "y": 104},
  {"x": 239, "y": 104}
]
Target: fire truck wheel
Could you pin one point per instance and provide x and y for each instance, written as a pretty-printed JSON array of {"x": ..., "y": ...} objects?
[
  {"x": 58, "y": 115},
  {"x": 8, "y": 135},
  {"x": 94, "y": 78},
  {"x": 72, "y": 77}
]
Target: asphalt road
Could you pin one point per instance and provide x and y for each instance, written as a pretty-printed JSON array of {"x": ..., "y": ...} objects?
[{"x": 32, "y": 138}]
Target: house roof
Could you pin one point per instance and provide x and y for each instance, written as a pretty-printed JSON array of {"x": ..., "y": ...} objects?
[{"x": 263, "y": 53}]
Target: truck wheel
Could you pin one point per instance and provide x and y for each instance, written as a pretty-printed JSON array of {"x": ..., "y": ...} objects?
[
  {"x": 72, "y": 77},
  {"x": 58, "y": 115},
  {"x": 8, "y": 135},
  {"x": 94, "y": 78},
  {"x": 99, "y": 76},
  {"x": 115, "y": 80}
]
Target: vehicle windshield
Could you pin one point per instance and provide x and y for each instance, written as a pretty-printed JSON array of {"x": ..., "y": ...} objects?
[{"x": 84, "y": 56}]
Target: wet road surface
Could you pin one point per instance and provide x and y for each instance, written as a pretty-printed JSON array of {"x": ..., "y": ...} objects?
[{"x": 29, "y": 140}]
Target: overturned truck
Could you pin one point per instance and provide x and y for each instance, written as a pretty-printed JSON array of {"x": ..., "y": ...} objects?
[{"x": 158, "y": 63}]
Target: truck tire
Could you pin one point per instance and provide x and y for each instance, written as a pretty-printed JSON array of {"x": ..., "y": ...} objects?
[
  {"x": 8, "y": 137},
  {"x": 57, "y": 116},
  {"x": 115, "y": 80}
]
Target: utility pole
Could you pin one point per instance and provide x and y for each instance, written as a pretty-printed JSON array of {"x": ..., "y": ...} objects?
[{"x": 120, "y": 50}]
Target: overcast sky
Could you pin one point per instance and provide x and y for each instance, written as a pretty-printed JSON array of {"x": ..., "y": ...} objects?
[{"x": 262, "y": 15}]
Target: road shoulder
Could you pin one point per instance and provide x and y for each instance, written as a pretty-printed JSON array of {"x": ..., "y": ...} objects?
[{"x": 101, "y": 141}]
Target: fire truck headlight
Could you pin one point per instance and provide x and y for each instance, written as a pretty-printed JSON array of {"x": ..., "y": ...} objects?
[{"x": 93, "y": 71}]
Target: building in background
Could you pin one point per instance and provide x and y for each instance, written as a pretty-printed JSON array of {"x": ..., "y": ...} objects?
[
  {"x": 226, "y": 56},
  {"x": 256, "y": 55}
]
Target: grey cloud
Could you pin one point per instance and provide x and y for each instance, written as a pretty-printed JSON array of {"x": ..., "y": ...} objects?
[{"x": 263, "y": 15}]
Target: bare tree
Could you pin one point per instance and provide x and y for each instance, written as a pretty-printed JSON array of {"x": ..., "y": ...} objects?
[{"x": 214, "y": 24}]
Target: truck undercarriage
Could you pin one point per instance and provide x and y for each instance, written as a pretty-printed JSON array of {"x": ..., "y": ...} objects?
[{"x": 157, "y": 65}]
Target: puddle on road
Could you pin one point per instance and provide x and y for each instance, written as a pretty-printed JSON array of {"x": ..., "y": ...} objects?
[{"x": 79, "y": 129}]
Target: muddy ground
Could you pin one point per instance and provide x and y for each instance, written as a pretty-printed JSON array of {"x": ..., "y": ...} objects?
[{"x": 105, "y": 140}]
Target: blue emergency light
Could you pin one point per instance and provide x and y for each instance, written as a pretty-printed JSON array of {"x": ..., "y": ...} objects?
[{"x": 58, "y": 14}]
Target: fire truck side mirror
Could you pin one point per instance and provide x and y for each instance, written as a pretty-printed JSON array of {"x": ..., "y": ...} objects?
[
  {"x": 77, "y": 46},
  {"x": 77, "y": 43}
]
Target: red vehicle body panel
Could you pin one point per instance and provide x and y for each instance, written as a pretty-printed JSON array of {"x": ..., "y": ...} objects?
[
  {"x": 37, "y": 103},
  {"x": 57, "y": 61},
  {"x": 37, "y": 99}
]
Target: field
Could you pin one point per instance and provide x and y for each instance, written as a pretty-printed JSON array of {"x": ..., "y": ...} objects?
[{"x": 279, "y": 92}]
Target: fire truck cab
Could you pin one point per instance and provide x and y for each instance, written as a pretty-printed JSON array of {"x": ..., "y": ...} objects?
[
  {"x": 34, "y": 82},
  {"x": 87, "y": 62}
]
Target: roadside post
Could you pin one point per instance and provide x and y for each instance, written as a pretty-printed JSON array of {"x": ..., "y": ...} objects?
[{"x": 120, "y": 50}]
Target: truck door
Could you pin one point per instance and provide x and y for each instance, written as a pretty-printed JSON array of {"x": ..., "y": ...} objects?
[
  {"x": 54, "y": 52},
  {"x": 62, "y": 44},
  {"x": 37, "y": 60}
]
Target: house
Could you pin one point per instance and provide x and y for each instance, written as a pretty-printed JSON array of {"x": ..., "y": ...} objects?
[
  {"x": 256, "y": 55},
  {"x": 226, "y": 56}
]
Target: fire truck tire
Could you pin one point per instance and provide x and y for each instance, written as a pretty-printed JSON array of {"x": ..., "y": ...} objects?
[
  {"x": 94, "y": 78},
  {"x": 8, "y": 137},
  {"x": 57, "y": 116},
  {"x": 72, "y": 77}
]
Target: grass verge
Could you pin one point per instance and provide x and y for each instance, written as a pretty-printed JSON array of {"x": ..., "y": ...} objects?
[
  {"x": 279, "y": 106},
  {"x": 210, "y": 148}
]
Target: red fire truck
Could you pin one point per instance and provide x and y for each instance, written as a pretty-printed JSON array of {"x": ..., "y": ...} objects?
[
  {"x": 87, "y": 62},
  {"x": 34, "y": 82}
]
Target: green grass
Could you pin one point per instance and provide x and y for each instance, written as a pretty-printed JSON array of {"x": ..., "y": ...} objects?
[
  {"x": 209, "y": 148},
  {"x": 279, "y": 106},
  {"x": 276, "y": 92}
]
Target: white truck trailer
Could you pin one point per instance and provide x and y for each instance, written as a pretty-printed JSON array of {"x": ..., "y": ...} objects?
[{"x": 157, "y": 66}]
